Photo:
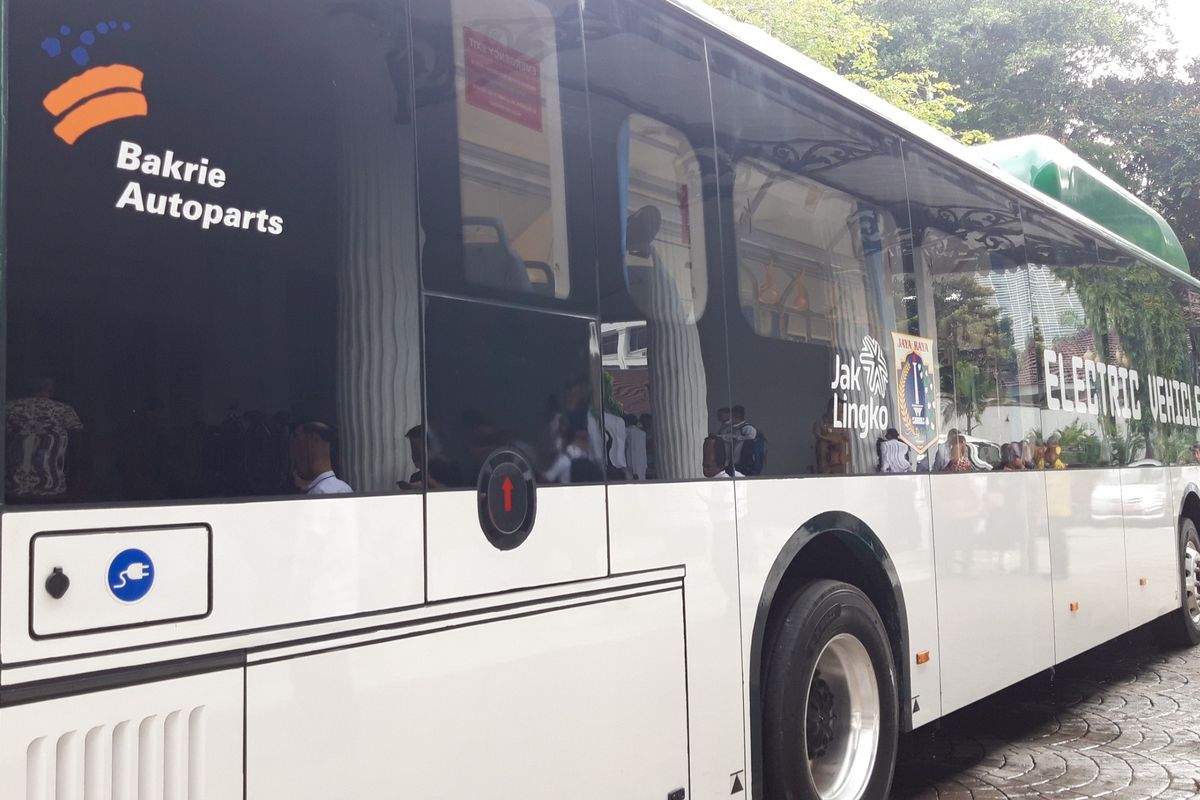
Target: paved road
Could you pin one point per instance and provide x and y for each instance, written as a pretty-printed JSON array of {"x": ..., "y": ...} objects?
[{"x": 1122, "y": 721}]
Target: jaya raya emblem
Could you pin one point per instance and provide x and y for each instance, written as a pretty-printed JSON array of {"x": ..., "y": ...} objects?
[{"x": 916, "y": 391}]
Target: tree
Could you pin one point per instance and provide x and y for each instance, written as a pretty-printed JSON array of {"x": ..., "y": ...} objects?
[
  {"x": 835, "y": 34},
  {"x": 1024, "y": 66}
]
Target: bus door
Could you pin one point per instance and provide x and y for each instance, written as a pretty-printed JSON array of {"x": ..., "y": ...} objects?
[
  {"x": 663, "y": 348},
  {"x": 516, "y": 445}
]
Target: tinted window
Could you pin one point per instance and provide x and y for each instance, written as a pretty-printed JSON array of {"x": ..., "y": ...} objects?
[
  {"x": 815, "y": 215},
  {"x": 219, "y": 249},
  {"x": 511, "y": 339},
  {"x": 660, "y": 284},
  {"x": 495, "y": 196},
  {"x": 968, "y": 250}
]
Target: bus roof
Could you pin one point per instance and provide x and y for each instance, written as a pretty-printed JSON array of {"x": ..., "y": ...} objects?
[
  {"x": 794, "y": 60},
  {"x": 1054, "y": 170}
]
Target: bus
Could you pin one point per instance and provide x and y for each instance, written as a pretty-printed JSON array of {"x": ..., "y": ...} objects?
[{"x": 532, "y": 398}]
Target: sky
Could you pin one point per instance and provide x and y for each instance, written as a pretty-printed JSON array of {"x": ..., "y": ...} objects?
[{"x": 1184, "y": 19}]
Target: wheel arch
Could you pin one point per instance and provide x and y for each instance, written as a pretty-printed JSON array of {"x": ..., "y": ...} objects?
[
  {"x": 837, "y": 545},
  {"x": 1190, "y": 505}
]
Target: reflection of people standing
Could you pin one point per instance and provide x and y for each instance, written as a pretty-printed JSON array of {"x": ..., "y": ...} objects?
[
  {"x": 893, "y": 453},
  {"x": 635, "y": 448},
  {"x": 832, "y": 445},
  {"x": 312, "y": 457},
  {"x": 39, "y": 429}
]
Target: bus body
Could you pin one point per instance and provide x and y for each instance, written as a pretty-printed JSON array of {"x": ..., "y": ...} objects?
[{"x": 323, "y": 479}]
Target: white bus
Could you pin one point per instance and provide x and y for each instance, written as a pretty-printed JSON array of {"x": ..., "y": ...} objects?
[{"x": 317, "y": 484}]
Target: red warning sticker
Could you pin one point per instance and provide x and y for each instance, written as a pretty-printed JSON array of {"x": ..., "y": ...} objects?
[{"x": 503, "y": 81}]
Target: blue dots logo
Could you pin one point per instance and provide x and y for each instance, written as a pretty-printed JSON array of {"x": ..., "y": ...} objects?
[
  {"x": 53, "y": 45},
  {"x": 130, "y": 575}
]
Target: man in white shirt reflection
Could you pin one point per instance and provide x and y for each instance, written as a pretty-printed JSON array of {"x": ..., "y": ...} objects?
[{"x": 312, "y": 460}]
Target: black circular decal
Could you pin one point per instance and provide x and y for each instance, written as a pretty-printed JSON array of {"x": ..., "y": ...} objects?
[{"x": 507, "y": 499}]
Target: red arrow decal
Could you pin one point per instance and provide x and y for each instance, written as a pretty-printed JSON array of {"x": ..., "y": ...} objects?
[{"x": 507, "y": 487}]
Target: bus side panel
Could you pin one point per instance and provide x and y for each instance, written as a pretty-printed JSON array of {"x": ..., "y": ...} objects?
[
  {"x": 273, "y": 563},
  {"x": 585, "y": 702},
  {"x": 173, "y": 738},
  {"x": 993, "y": 576},
  {"x": 1150, "y": 543},
  {"x": 692, "y": 524},
  {"x": 896, "y": 508},
  {"x": 1087, "y": 555}
]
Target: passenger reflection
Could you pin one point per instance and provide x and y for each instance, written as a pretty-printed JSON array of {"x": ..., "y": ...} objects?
[
  {"x": 39, "y": 430},
  {"x": 1010, "y": 457},
  {"x": 716, "y": 461},
  {"x": 832, "y": 445},
  {"x": 647, "y": 423},
  {"x": 1195, "y": 451},
  {"x": 574, "y": 463},
  {"x": 1052, "y": 455},
  {"x": 635, "y": 448},
  {"x": 893, "y": 453},
  {"x": 958, "y": 456},
  {"x": 433, "y": 470},
  {"x": 312, "y": 460}
]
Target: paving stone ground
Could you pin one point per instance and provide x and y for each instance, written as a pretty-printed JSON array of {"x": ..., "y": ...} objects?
[{"x": 1122, "y": 721}]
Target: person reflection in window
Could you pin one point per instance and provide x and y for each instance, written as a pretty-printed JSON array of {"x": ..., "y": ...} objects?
[
  {"x": 39, "y": 429},
  {"x": 958, "y": 457},
  {"x": 832, "y": 445},
  {"x": 635, "y": 448},
  {"x": 1010, "y": 457},
  {"x": 433, "y": 471},
  {"x": 893, "y": 453},
  {"x": 312, "y": 460},
  {"x": 716, "y": 462},
  {"x": 574, "y": 464}
]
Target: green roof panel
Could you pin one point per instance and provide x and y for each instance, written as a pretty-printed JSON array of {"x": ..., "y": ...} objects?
[{"x": 1052, "y": 169}]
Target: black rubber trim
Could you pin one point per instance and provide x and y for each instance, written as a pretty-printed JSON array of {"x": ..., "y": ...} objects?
[
  {"x": 53, "y": 688},
  {"x": 844, "y": 526},
  {"x": 1191, "y": 490},
  {"x": 34, "y": 584}
]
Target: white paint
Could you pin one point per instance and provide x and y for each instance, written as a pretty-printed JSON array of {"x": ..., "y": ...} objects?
[
  {"x": 1087, "y": 553},
  {"x": 693, "y": 524},
  {"x": 568, "y": 543},
  {"x": 1151, "y": 543},
  {"x": 582, "y": 703},
  {"x": 993, "y": 581}
]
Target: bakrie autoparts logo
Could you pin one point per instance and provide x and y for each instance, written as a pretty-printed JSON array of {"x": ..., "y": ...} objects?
[{"x": 98, "y": 95}]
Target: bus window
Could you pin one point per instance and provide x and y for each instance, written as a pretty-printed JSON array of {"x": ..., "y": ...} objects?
[
  {"x": 816, "y": 211},
  {"x": 1063, "y": 263},
  {"x": 497, "y": 133},
  {"x": 511, "y": 346},
  {"x": 968, "y": 251},
  {"x": 667, "y": 383},
  {"x": 214, "y": 295}
]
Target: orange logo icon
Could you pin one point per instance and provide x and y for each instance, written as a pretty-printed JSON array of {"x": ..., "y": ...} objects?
[{"x": 94, "y": 98}]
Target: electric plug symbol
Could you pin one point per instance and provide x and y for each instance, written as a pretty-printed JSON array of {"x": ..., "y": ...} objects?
[{"x": 136, "y": 571}]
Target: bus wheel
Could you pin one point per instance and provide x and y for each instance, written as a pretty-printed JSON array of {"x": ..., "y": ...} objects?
[
  {"x": 829, "y": 705},
  {"x": 1182, "y": 628}
]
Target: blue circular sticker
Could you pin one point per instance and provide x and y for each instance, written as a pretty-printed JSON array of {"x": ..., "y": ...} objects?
[{"x": 130, "y": 575}]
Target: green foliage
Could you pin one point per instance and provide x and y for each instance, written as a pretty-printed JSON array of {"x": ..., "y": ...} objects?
[
  {"x": 1024, "y": 65},
  {"x": 1080, "y": 444},
  {"x": 838, "y": 35}
]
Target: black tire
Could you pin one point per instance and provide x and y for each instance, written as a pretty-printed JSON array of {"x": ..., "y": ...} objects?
[
  {"x": 817, "y": 613},
  {"x": 1178, "y": 629}
]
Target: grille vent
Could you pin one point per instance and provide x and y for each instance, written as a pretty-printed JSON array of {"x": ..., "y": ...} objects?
[{"x": 160, "y": 757}]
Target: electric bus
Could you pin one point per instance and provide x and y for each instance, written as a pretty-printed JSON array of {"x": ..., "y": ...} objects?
[{"x": 537, "y": 398}]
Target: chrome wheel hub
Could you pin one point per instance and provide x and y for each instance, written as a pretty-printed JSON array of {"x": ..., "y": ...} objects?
[
  {"x": 842, "y": 723},
  {"x": 1191, "y": 581}
]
